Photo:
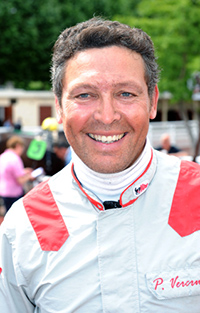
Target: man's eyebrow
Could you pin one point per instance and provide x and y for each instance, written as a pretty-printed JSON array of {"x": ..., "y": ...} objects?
[
  {"x": 129, "y": 84},
  {"x": 95, "y": 85},
  {"x": 83, "y": 86}
]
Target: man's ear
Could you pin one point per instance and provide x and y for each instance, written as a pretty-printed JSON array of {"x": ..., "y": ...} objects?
[
  {"x": 58, "y": 111},
  {"x": 154, "y": 103}
]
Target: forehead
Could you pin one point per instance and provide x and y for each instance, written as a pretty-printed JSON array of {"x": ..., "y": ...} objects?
[{"x": 114, "y": 61}]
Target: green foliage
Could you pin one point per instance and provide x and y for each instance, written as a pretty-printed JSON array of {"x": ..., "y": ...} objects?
[
  {"x": 29, "y": 29},
  {"x": 174, "y": 28},
  {"x": 27, "y": 32}
]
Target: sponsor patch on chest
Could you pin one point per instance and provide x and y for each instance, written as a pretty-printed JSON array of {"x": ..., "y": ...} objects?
[{"x": 138, "y": 190}]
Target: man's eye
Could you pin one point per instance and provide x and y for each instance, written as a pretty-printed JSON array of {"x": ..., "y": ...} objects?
[
  {"x": 83, "y": 96},
  {"x": 126, "y": 94}
]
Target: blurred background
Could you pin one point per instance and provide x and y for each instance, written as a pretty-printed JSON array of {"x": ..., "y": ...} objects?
[{"x": 28, "y": 30}]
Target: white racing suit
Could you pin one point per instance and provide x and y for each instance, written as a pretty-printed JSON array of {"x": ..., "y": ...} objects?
[{"x": 61, "y": 251}]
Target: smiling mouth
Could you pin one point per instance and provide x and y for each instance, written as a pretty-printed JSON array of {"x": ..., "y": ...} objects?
[{"x": 106, "y": 139}]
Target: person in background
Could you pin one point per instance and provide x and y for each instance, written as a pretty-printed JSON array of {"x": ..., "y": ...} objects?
[
  {"x": 18, "y": 125},
  {"x": 63, "y": 151},
  {"x": 118, "y": 229},
  {"x": 168, "y": 148},
  {"x": 8, "y": 123},
  {"x": 13, "y": 175}
]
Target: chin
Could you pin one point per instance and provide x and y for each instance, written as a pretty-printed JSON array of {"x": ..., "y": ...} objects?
[{"x": 107, "y": 169}]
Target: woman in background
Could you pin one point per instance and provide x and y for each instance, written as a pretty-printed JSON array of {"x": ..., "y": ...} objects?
[{"x": 13, "y": 175}]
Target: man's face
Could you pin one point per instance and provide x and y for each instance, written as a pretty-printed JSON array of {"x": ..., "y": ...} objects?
[{"x": 106, "y": 108}]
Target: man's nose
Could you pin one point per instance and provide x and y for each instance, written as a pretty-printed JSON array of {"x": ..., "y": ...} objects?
[{"x": 107, "y": 111}]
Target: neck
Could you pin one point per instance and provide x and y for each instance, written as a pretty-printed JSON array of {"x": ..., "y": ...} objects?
[{"x": 110, "y": 186}]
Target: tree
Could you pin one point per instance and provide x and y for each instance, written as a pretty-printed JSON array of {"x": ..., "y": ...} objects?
[
  {"x": 29, "y": 29},
  {"x": 174, "y": 28}
]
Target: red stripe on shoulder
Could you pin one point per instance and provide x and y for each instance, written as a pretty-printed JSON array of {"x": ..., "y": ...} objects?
[
  {"x": 184, "y": 216},
  {"x": 45, "y": 217}
]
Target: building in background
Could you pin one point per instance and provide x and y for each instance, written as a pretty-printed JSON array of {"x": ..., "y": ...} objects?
[{"x": 28, "y": 107}]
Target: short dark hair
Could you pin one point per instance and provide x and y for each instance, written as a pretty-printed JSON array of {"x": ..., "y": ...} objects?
[{"x": 99, "y": 33}]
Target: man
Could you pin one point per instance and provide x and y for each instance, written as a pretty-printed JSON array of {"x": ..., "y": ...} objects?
[
  {"x": 168, "y": 148},
  {"x": 63, "y": 151},
  {"x": 118, "y": 230}
]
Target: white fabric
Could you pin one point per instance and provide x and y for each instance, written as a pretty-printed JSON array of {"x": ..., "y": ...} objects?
[
  {"x": 110, "y": 186},
  {"x": 115, "y": 261}
]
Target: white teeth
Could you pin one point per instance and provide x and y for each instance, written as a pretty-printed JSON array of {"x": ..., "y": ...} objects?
[
  {"x": 103, "y": 139},
  {"x": 106, "y": 139}
]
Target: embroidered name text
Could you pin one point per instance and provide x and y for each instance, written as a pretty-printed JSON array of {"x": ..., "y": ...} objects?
[{"x": 175, "y": 282}]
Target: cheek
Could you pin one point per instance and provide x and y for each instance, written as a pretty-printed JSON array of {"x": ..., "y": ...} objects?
[
  {"x": 138, "y": 118},
  {"x": 77, "y": 116},
  {"x": 73, "y": 123}
]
